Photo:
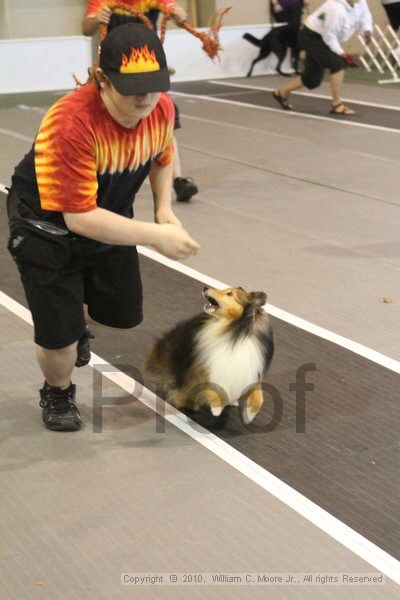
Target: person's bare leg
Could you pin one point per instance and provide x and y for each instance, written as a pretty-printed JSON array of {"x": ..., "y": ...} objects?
[
  {"x": 295, "y": 84},
  {"x": 177, "y": 161},
  {"x": 57, "y": 365},
  {"x": 336, "y": 80},
  {"x": 184, "y": 187},
  {"x": 87, "y": 317}
]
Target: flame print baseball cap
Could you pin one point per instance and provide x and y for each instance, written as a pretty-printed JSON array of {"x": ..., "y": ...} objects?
[{"x": 134, "y": 60}]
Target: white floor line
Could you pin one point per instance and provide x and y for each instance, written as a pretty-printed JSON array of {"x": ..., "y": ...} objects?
[
  {"x": 247, "y": 129},
  {"x": 18, "y": 136},
  {"x": 264, "y": 169},
  {"x": 305, "y": 94},
  {"x": 289, "y": 113},
  {"x": 33, "y": 108},
  {"x": 353, "y": 541},
  {"x": 280, "y": 136},
  {"x": 368, "y": 353},
  {"x": 355, "y": 347}
]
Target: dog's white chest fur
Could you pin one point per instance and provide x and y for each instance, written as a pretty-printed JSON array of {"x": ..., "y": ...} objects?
[{"x": 232, "y": 366}]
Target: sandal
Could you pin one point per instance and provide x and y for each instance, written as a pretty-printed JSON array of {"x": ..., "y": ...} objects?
[
  {"x": 341, "y": 109},
  {"x": 284, "y": 102}
]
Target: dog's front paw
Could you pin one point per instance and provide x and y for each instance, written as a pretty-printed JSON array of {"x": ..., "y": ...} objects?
[
  {"x": 250, "y": 406},
  {"x": 216, "y": 410},
  {"x": 248, "y": 414}
]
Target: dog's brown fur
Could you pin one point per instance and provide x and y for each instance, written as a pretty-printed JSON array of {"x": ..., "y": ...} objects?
[{"x": 175, "y": 359}]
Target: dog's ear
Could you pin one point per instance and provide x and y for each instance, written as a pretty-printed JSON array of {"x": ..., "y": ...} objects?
[{"x": 257, "y": 299}]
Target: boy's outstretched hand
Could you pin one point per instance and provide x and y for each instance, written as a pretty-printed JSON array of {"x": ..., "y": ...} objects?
[{"x": 175, "y": 242}]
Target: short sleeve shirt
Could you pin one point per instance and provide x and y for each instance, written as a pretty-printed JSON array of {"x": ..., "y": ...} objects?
[
  {"x": 143, "y": 6},
  {"x": 82, "y": 158},
  {"x": 150, "y": 8}
]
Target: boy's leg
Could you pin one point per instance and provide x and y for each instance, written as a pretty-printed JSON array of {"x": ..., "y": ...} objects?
[
  {"x": 57, "y": 397},
  {"x": 184, "y": 187},
  {"x": 336, "y": 80},
  {"x": 55, "y": 299},
  {"x": 295, "y": 84},
  {"x": 177, "y": 161},
  {"x": 57, "y": 365}
]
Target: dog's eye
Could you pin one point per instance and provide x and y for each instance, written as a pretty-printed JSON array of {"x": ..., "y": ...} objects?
[{"x": 230, "y": 294}]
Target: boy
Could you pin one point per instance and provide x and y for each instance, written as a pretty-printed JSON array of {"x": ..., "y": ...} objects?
[
  {"x": 104, "y": 15},
  {"x": 70, "y": 208}
]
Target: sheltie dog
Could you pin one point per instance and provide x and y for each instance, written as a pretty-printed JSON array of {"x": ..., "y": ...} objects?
[{"x": 218, "y": 357}]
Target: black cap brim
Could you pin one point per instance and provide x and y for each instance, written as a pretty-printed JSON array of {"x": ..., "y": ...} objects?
[{"x": 136, "y": 84}]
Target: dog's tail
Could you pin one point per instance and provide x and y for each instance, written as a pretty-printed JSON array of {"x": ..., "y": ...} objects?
[{"x": 253, "y": 40}]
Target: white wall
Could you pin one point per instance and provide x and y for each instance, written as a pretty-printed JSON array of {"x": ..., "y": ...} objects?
[
  {"x": 245, "y": 11},
  {"x": 30, "y": 65},
  {"x": 184, "y": 53},
  {"x": 48, "y": 64},
  {"x": 40, "y": 18}
]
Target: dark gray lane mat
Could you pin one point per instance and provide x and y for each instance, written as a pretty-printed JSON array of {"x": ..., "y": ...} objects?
[
  {"x": 43, "y": 99},
  {"x": 370, "y": 115},
  {"x": 347, "y": 458},
  {"x": 79, "y": 509}
]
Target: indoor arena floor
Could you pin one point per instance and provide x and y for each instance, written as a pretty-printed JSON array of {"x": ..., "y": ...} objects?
[{"x": 304, "y": 206}]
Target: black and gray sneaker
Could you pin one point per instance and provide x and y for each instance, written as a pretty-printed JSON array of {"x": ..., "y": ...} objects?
[
  {"x": 184, "y": 188},
  {"x": 60, "y": 412},
  {"x": 83, "y": 349}
]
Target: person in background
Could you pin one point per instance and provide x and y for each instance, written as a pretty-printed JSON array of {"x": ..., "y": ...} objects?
[
  {"x": 108, "y": 14},
  {"x": 288, "y": 11},
  {"x": 104, "y": 15},
  {"x": 332, "y": 24},
  {"x": 392, "y": 9},
  {"x": 70, "y": 209}
]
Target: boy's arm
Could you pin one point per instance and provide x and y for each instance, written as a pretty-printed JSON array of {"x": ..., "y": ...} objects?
[
  {"x": 161, "y": 186},
  {"x": 92, "y": 23},
  {"x": 366, "y": 22},
  {"x": 109, "y": 228},
  {"x": 179, "y": 14},
  {"x": 333, "y": 24}
]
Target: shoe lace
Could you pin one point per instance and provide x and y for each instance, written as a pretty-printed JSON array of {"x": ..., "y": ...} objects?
[{"x": 58, "y": 401}]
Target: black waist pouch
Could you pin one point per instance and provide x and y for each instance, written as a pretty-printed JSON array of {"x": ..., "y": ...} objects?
[{"x": 36, "y": 242}]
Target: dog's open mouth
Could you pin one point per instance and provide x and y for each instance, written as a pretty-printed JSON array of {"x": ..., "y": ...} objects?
[{"x": 211, "y": 305}]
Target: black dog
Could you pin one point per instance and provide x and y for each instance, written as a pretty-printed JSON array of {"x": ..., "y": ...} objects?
[{"x": 276, "y": 41}]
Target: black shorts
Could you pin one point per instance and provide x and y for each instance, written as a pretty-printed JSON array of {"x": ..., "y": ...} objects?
[
  {"x": 108, "y": 282},
  {"x": 393, "y": 14},
  {"x": 318, "y": 58}
]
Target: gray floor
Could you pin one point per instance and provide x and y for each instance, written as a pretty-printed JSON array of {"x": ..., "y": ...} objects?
[
  {"x": 80, "y": 509},
  {"x": 308, "y": 211},
  {"x": 312, "y": 207}
]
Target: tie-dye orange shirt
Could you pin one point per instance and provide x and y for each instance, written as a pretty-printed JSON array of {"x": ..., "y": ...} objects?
[
  {"x": 83, "y": 158},
  {"x": 143, "y": 6},
  {"x": 119, "y": 16}
]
